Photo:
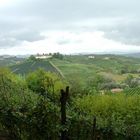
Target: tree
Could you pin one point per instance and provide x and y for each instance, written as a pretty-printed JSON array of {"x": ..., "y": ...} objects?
[
  {"x": 32, "y": 58},
  {"x": 58, "y": 55},
  {"x": 128, "y": 80},
  {"x": 44, "y": 83}
]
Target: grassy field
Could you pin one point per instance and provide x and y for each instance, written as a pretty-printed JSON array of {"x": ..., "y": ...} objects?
[{"x": 106, "y": 65}]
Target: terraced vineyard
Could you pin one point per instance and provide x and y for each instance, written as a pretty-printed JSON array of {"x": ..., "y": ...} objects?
[
  {"x": 132, "y": 91},
  {"x": 30, "y": 66}
]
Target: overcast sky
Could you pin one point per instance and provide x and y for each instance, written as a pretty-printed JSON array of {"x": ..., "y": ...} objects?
[{"x": 69, "y": 26}]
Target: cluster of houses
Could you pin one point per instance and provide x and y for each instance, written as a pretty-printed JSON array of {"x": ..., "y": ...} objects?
[{"x": 43, "y": 56}]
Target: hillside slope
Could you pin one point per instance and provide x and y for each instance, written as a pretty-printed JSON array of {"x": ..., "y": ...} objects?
[
  {"x": 135, "y": 55},
  {"x": 83, "y": 68},
  {"x": 10, "y": 61},
  {"x": 29, "y": 66}
]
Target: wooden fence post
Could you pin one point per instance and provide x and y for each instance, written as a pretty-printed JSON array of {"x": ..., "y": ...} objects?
[
  {"x": 63, "y": 100},
  {"x": 94, "y": 129}
]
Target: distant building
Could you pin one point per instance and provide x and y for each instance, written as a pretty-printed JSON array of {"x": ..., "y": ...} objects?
[
  {"x": 106, "y": 58},
  {"x": 91, "y": 57},
  {"x": 43, "y": 56}
]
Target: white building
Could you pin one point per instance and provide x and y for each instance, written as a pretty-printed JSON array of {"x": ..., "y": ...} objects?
[
  {"x": 43, "y": 56},
  {"x": 106, "y": 58},
  {"x": 91, "y": 57}
]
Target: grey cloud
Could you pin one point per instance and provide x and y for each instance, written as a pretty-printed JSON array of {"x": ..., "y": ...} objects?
[
  {"x": 63, "y": 42},
  {"x": 25, "y": 20},
  {"x": 7, "y": 42},
  {"x": 62, "y": 10},
  {"x": 27, "y": 35},
  {"x": 127, "y": 32},
  {"x": 15, "y": 37},
  {"x": 13, "y": 32},
  {"x": 68, "y": 41}
]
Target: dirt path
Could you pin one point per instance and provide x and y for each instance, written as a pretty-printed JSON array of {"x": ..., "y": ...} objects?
[{"x": 57, "y": 69}]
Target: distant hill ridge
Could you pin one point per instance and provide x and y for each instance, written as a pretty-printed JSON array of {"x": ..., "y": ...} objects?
[{"x": 136, "y": 55}]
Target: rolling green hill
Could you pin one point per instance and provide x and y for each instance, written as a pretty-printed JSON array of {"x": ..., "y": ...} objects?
[
  {"x": 81, "y": 68},
  {"x": 10, "y": 61},
  {"x": 29, "y": 66}
]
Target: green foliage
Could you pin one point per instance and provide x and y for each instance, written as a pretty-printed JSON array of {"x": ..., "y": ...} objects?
[
  {"x": 27, "y": 122},
  {"x": 132, "y": 82},
  {"x": 25, "y": 115},
  {"x": 43, "y": 121},
  {"x": 30, "y": 105},
  {"x": 32, "y": 58},
  {"x": 9, "y": 84},
  {"x": 119, "y": 113},
  {"x": 45, "y": 83},
  {"x": 58, "y": 56}
]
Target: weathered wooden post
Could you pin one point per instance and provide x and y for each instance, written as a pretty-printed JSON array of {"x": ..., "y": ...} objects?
[
  {"x": 63, "y": 100},
  {"x": 94, "y": 129}
]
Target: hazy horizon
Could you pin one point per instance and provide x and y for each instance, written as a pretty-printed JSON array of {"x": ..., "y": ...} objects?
[{"x": 69, "y": 26}]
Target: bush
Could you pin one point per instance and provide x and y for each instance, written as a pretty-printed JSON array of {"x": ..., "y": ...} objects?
[
  {"x": 25, "y": 115},
  {"x": 45, "y": 83},
  {"x": 119, "y": 113}
]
